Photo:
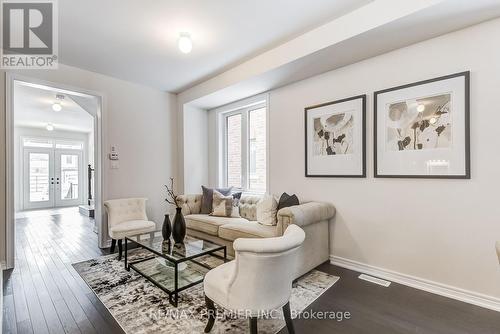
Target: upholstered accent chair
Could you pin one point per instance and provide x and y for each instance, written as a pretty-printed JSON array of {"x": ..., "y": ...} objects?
[
  {"x": 126, "y": 217},
  {"x": 259, "y": 280},
  {"x": 498, "y": 250}
]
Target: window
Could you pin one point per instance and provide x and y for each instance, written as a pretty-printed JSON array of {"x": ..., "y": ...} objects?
[
  {"x": 50, "y": 143},
  {"x": 233, "y": 162},
  {"x": 245, "y": 148},
  {"x": 257, "y": 149},
  {"x": 38, "y": 142},
  {"x": 69, "y": 145}
]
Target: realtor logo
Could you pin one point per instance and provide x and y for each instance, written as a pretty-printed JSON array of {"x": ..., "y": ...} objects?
[{"x": 29, "y": 34}]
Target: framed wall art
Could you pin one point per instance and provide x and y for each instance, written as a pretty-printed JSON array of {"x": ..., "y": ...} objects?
[
  {"x": 421, "y": 130},
  {"x": 335, "y": 134}
]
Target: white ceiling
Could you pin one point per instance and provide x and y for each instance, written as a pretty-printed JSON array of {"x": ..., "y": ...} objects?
[
  {"x": 281, "y": 66},
  {"x": 136, "y": 40},
  {"x": 33, "y": 108}
]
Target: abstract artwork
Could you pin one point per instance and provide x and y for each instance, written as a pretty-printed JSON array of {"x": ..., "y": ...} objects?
[
  {"x": 422, "y": 129},
  {"x": 420, "y": 124},
  {"x": 333, "y": 134},
  {"x": 335, "y": 138}
]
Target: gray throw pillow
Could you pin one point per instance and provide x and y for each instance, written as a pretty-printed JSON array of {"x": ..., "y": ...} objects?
[{"x": 208, "y": 195}]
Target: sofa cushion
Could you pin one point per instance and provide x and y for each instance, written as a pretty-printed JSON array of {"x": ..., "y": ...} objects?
[
  {"x": 210, "y": 224},
  {"x": 249, "y": 229}
]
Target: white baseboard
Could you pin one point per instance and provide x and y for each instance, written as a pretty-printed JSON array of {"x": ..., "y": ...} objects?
[{"x": 467, "y": 296}]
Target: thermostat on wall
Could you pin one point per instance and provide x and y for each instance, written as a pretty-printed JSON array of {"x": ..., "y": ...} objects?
[{"x": 113, "y": 155}]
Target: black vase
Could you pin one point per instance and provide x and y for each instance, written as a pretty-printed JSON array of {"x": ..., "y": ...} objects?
[
  {"x": 166, "y": 229},
  {"x": 179, "y": 227}
]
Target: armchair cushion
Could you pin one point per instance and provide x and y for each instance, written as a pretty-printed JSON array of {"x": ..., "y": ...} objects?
[{"x": 131, "y": 227}]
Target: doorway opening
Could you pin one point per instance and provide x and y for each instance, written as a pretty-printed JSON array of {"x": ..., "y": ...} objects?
[{"x": 54, "y": 153}]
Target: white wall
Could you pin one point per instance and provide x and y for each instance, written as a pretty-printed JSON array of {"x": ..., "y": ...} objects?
[
  {"x": 440, "y": 230},
  {"x": 140, "y": 121},
  {"x": 196, "y": 149}
]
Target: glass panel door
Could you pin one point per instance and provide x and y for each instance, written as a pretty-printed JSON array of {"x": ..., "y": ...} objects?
[
  {"x": 38, "y": 180},
  {"x": 68, "y": 178}
]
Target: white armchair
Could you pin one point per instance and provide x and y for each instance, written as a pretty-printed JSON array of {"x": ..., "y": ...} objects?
[
  {"x": 126, "y": 217},
  {"x": 498, "y": 250},
  {"x": 258, "y": 280}
]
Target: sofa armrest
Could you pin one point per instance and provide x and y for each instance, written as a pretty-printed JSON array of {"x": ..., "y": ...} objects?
[
  {"x": 304, "y": 214},
  {"x": 190, "y": 204}
]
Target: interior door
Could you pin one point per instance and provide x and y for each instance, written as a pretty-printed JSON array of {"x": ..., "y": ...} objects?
[
  {"x": 38, "y": 180},
  {"x": 68, "y": 177}
]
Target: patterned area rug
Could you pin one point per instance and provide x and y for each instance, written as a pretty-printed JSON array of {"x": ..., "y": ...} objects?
[{"x": 142, "y": 308}]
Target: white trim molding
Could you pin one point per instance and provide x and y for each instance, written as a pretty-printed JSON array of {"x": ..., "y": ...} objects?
[
  {"x": 463, "y": 295},
  {"x": 99, "y": 156}
]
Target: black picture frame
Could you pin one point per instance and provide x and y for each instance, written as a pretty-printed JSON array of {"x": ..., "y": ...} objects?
[
  {"x": 467, "y": 174},
  {"x": 363, "y": 127}
]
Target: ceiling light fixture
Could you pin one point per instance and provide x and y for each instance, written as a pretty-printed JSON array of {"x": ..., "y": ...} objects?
[
  {"x": 49, "y": 127},
  {"x": 420, "y": 108},
  {"x": 184, "y": 42},
  {"x": 56, "y": 106}
]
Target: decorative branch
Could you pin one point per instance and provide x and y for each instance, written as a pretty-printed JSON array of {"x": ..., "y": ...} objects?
[{"x": 171, "y": 196}]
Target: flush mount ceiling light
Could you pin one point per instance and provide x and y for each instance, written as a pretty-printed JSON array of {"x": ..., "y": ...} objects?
[
  {"x": 56, "y": 106},
  {"x": 184, "y": 43},
  {"x": 420, "y": 108},
  {"x": 49, "y": 127}
]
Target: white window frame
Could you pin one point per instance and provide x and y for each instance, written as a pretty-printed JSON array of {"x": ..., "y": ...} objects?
[{"x": 243, "y": 107}]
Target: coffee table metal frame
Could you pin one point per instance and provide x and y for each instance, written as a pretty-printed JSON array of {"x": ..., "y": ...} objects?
[{"x": 172, "y": 294}]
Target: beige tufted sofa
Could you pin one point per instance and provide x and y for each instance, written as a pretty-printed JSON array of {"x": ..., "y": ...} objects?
[{"x": 312, "y": 217}]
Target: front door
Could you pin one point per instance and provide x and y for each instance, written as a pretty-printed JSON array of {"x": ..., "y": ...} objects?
[
  {"x": 38, "y": 180},
  {"x": 52, "y": 178},
  {"x": 68, "y": 178}
]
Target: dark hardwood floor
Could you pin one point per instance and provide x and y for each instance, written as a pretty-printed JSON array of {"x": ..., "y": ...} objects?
[
  {"x": 44, "y": 294},
  {"x": 396, "y": 309}
]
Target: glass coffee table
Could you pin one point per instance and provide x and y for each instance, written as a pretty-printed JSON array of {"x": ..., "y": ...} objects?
[{"x": 172, "y": 267}]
